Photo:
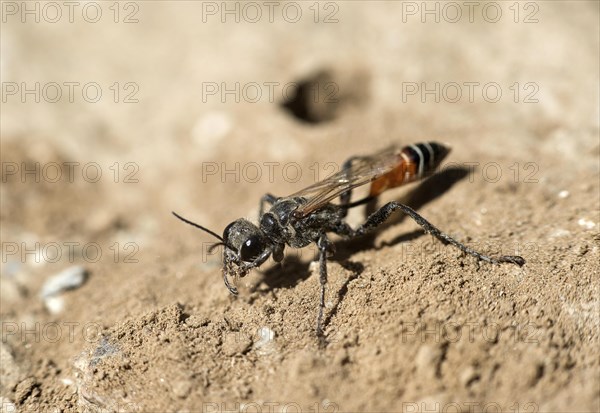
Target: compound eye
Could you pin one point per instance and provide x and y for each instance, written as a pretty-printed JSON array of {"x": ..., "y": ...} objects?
[{"x": 251, "y": 248}]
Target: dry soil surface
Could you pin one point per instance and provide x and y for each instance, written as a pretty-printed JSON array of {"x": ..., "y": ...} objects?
[{"x": 202, "y": 111}]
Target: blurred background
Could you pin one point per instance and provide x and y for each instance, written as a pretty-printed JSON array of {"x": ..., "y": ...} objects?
[{"x": 116, "y": 113}]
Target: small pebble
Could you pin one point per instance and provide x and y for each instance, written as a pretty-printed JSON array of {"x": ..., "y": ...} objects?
[
  {"x": 266, "y": 339},
  {"x": 586, "y": 223},
  {"x": 55, "y": 304},
  {"x": 67, "y": 279},
  {"x": 563, "y": 194},
  {"x": 67, "y": 382}
]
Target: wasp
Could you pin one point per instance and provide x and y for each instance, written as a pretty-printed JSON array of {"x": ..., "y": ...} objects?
[{"x": 309, "y": 215}]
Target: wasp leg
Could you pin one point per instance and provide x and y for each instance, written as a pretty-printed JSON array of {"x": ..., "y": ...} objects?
[
  {"x": 266, "y": 199},
  {"x": 385, "y": 211},
  {"x": 325, "y": 247}
]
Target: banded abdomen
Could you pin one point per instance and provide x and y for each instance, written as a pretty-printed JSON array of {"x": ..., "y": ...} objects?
[{"x": 414, "y": 162}]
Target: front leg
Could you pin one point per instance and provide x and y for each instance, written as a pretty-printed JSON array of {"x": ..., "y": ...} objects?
[{"x": 384, "y": 213}]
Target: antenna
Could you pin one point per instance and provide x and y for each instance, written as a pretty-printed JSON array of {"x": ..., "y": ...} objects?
[{"x": 198, "y": 226}]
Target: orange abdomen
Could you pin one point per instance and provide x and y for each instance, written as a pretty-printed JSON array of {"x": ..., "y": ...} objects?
[{"x": 414, "y": 162}]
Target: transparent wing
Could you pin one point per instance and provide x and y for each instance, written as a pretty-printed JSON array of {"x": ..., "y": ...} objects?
[{"x": 364, "y": 169}]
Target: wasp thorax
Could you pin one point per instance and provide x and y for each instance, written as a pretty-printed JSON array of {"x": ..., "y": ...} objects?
[{"x": 246, "y": 239}]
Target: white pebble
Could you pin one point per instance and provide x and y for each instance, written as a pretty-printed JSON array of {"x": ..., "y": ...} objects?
[
  {"x": 586, "y": 223},
  {"x": 67, "y": 382},
  {"x": 266, "y": 335},
  {"x": 266, "y": 340},
  {"x": 55, "y": 304},
  {"x": 69, "y": 278},
  {"x": 563, "y": 194}
]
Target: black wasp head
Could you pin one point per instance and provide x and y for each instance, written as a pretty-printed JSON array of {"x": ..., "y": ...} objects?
[{"x": 246, "y": 247}]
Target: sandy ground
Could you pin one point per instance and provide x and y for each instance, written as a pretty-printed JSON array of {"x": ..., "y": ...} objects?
[{"x": 202, "y": 114}]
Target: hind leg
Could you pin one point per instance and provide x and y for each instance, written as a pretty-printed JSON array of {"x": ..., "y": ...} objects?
[{"x": 384, "y": 213}]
